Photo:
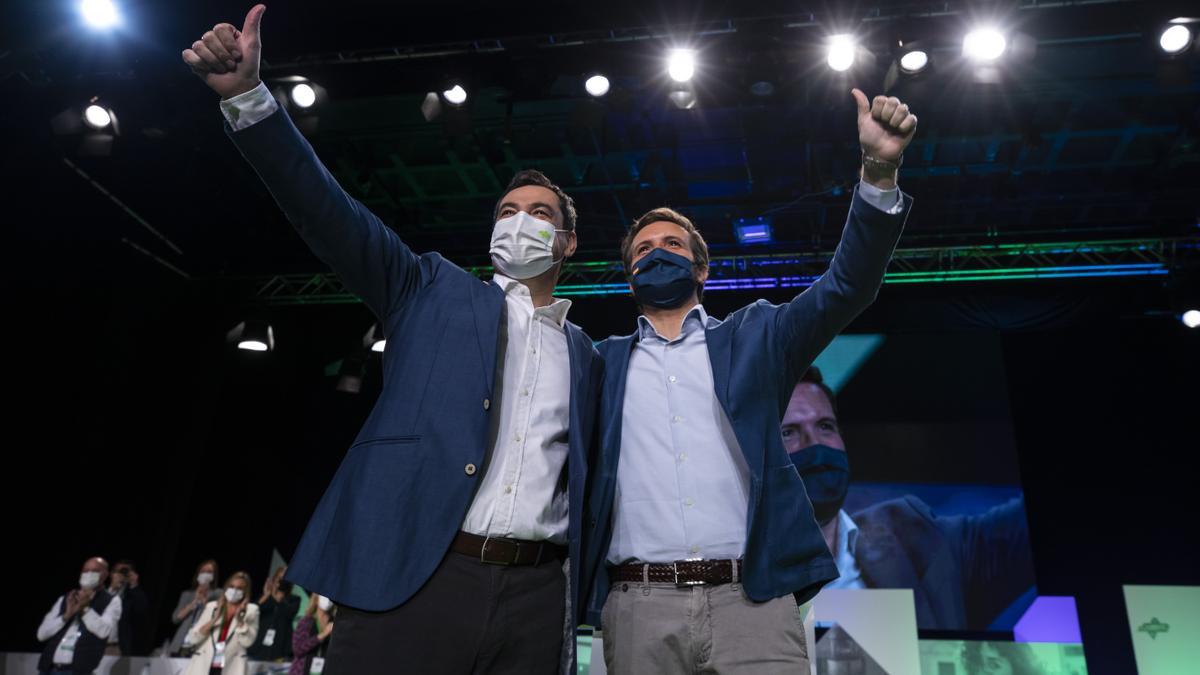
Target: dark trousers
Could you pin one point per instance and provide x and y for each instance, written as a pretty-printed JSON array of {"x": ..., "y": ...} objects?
[{"x": 468, "y": 618}]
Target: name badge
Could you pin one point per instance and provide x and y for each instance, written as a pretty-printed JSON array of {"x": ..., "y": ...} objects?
[
  {"x": 219, "y": 656},
  {"x": 318, "y": 666},
  {"x": 269, "y": 638},
  {"x": 70, "y": 639},
  {"x": 64, "y": 655}
]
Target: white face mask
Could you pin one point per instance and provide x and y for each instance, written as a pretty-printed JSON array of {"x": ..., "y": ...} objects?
[
  {"x": 324, "y": 603},
  {"x": 89, "y": 579},
  {"x": 204, "y": 578},
  {"x": 234, "y": 595},
  {"x": 523, "y": 246}
]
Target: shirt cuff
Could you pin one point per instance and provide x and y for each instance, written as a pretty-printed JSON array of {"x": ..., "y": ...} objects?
[
  {"x": 888, "y": 201},
  {"x": 249, "y": 108}
]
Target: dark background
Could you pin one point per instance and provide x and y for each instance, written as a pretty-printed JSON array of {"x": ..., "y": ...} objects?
[{"x": 134, "y": 432}]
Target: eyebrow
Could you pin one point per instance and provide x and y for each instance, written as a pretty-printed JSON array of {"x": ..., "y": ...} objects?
[
  {"x": 513, "y": 205},
  {"x": 669, "y": 237}
]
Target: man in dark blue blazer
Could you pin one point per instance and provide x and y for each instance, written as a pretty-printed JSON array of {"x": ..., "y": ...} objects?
[
  {"x": 444, "y": 532},
  {"x": 700, "y": 538},
  {"x": 964, "y": 570}
]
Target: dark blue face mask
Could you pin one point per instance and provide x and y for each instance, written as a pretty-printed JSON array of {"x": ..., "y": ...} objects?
[
  {"x": 826, "y": 474},
  {"x": 662, "y": 279}
]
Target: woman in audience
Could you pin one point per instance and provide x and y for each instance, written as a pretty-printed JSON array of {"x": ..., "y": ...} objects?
[
  {"x": 276, "y": 611},
  {"x": 311, "y": 638},
  {"x": 191, "y": 602},
  {"x": 226, "y": 629}
]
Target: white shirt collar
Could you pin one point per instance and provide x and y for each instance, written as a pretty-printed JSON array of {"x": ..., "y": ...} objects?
[
  {"x": 847, "y": 539},
  {"x": 556, "y": 311}
]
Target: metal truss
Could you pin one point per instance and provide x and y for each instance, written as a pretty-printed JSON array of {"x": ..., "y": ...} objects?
[{"x": 978, "y": 263}]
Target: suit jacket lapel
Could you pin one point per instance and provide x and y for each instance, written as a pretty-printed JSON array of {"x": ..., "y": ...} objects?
[{"x": 487, "y": 301}]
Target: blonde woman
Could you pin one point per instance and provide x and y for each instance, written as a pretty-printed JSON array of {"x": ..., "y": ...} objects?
[{"x": 226, "y": 629}]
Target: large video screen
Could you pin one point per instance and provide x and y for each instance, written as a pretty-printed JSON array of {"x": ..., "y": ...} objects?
[{"x": 907, "y": 448}]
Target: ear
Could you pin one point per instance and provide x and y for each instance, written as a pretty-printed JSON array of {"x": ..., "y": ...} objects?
[
  {"x": 572, "y": 244},
  {"x": 702, "y": 274}
]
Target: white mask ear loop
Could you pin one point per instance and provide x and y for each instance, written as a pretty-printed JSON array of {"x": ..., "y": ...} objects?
[{"x": 552, "y": 248}]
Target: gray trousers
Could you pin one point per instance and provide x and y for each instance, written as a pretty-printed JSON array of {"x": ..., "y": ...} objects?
[{"x": 661, "y": 629}]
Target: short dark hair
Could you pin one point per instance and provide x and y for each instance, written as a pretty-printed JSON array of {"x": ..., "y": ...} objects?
[
  {"x": 813, "y": 376},
  {"x": 535, "y": 177},
  {"x": 664, "y": 214}
]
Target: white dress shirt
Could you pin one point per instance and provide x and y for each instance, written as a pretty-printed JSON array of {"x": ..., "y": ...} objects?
[
  {"x": 523, "y": 492},
  {"x": 845, "y": 548},
  {"x": 100, "y": 625}
]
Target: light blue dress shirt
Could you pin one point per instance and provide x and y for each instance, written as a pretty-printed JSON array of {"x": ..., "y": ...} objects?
[{"x": 682, "y": 480}]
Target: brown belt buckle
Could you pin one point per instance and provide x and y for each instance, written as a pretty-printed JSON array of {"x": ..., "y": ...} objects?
[
  {"x": 685, "y": 584},
  {"x": 483, "y": 554}
]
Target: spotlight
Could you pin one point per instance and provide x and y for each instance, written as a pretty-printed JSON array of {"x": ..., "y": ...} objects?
[
  {"x": 448, "y": 104},
  {"x": 456, "y": 95},
  {"x": 97, "y": 117},
  {"x": 252, "y": 336},
  {"x": 304, "y": 95},
  {"x": 1191, "y": 318},
  {"x": 99, "y": 13},
  {"x": 374, "y": 339},
  {"x": 87, "y": 130},
  {"x": 596, "y": 85},
  {"x": 913, "y": 61},
  {"x": 681, "y": 64},
  {"x": 840, "y": 53},
  {"x": 1175, "y": 39},
  {"x": 984, "y": 44}
]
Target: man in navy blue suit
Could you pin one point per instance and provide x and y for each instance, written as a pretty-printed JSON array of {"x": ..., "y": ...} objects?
[
  {"x": 444, "y": 532},
  {"x": 964, "y": 570},
  {"x": 701, "y": 540}
]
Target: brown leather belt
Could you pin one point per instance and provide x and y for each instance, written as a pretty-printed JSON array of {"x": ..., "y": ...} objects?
[
  {"x": 500, "y": 551},
  {"x": 681, "y": 572}
]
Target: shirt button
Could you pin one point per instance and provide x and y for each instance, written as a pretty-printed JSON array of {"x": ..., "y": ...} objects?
[
  {"x": 682, "y": 456},
  {"x": 677, "y": 419},
  {"x": 688, "y": 502},
  {"x": 487, "y": 403},
  {"x": 524, "y": 392},
  {"x": 508, "y": 489},
  {"x": 517, "y": 437},
  {"x": 695, "y": 549},
  {"x": 469, "y": 469}
]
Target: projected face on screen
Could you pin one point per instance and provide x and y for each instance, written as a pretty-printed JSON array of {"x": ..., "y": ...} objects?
[{"x": 920, "y": 425}]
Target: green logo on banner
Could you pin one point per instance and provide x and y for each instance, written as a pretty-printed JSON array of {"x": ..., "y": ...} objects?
[{"x": 1154, "y": 627}]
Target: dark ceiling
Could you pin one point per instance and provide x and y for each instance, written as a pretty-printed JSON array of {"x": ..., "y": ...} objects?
[{"x": 1094, "y": 137}]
